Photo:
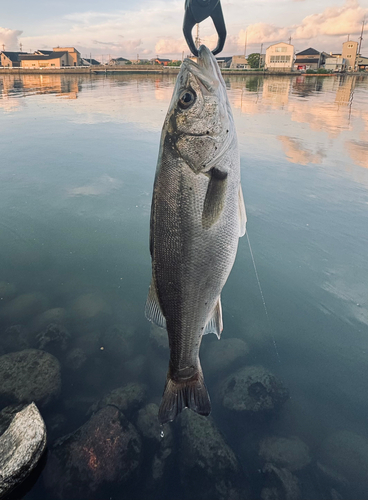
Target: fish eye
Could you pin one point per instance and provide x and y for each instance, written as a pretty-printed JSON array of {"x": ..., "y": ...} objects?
[{"x": 187, "y": 98}]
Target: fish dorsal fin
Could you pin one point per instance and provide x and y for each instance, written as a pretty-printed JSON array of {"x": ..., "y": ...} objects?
[
  {"x": 242, "y": 213},
  {"x": 214, "y": 325},
  {"x": 153, "y": 310}
]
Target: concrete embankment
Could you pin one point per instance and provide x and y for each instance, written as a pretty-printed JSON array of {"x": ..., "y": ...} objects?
[{"x": 149, "y": 69}]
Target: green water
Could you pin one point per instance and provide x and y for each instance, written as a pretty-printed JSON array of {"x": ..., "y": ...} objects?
[{"x": 77, "y": 163}]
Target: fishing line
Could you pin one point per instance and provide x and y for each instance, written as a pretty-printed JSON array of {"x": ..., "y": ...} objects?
[{"x": 263, "y": 300}]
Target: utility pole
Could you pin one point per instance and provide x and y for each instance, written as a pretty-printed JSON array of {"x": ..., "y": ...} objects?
[
  {"x": 361, "y": 37},
  {"x": 197, "y": 40},
  {"x": 21, "y": 46},
  {"x": 3, "y": 47},
  {"x": 289, "y": 40},
  {"x": 90, "y": 58},
  {"x": 245, "y": 44},
  {"x": 260, "y": 55}
]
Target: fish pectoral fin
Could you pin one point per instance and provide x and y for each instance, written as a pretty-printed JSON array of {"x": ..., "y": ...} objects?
[
  {"x": 215, "y": 324},
  {"x": 242, "y": 213},
  {"x": 215, "y": 197},
  {"x": 153, "y": 310}
]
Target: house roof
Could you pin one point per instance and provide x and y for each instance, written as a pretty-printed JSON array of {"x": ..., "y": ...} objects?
[
  {"x": 90, "y": 61},
  {"x": 118, "y": 59},
  {"x": 44, "y": 52},
  {"x": 40, "y": 57},
  {"x": 313, "y": 61},
  {"x": 162, "y": 60},
  {"x": 226, "y": 59},
  {"x": 308, "y": 52},
  {"x": 13, "y": 56}
]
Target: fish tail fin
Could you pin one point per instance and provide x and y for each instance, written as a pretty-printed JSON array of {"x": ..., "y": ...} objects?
[{"x": 179, "y": 394}]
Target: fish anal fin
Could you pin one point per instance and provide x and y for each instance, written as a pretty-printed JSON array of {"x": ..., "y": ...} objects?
[
  {"x": 215, "y": 325},
  {"x": 179, "y": 394},
  {"x": 153, "y": 310},
  {"x": 242, "y": 213}
]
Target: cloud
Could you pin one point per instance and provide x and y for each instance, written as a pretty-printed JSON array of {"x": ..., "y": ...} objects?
[
  {"x": 324, "y": 28},
  {"x": 295, "y": 152},
  {"x": 358, "y": 151},
  {"x": 9, "y": 38}
]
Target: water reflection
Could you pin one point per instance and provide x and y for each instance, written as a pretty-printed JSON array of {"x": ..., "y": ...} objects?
[{"x": 75, "y": 194}]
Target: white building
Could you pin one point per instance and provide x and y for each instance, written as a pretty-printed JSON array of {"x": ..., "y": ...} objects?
[
  {"x": 335, "y": 64},
  {"x": 280, "y": 57}
]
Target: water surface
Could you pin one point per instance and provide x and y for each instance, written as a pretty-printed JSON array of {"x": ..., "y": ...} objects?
[{"x": 78, "y": 157}]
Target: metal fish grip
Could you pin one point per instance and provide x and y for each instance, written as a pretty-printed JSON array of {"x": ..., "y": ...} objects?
[{"x": 197, "y": 11}]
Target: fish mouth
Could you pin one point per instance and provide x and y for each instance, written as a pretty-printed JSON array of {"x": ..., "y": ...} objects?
[{"x": 206, "y": 69}]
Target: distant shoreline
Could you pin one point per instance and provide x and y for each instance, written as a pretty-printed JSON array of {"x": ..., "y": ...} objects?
[{"x": 148, "y": 70}]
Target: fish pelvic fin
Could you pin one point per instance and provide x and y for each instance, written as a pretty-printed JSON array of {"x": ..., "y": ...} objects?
[{"x": 186, "y": 393}]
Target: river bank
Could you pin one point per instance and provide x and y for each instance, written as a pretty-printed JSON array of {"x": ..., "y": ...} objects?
[{"x": 150, "y": 69}]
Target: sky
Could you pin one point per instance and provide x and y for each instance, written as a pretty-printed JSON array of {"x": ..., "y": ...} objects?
[{"x": 150, "y": 28}]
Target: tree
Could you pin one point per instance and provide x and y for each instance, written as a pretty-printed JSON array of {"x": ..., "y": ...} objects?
[{"x": 253, "y": 60}]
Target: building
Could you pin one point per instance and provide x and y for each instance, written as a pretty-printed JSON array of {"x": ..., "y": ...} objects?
[
  {"x": 239, "y": 62},
  {"x": 309, "y": 59},
  {"x": 349, "y": 52},
  {"x": 362, "y": 63},
  {"x": 163, "y": 62},
  {"x": 52, "y": 60},
  {"x": 119, "y": 61},
  {"x": 11, "y": 59},
  {"x": 224, "y": 62},
  {"x": 335, "y": 64},
  {"x": 280, "y": 57},
  {"x": 74, "y": 57},
  {"x": 88, "y": 61},
  {"x": 140, "y": 61}
]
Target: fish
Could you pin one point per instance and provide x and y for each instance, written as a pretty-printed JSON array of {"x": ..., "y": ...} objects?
[{"x": 197, "y": 217}]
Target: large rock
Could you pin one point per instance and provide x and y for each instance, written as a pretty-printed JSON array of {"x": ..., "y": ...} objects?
[
  {"x": 21, "y": 445},
  {"x": 104, "y": 451},
  {"x": 208, "y": 466},
  {"x": 344, "y": 458},
  {"x": 127, "y": 399},
  {"x": 29, "y": 375},
  {"x": 14, "y": 338},
  {"x": 252, "y": 389},
  {"x": 290, "y": 453},
  {"x": 224, "y": 355}
]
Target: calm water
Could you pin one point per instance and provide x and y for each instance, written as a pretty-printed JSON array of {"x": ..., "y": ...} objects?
[{"x": 78, "y": 157}]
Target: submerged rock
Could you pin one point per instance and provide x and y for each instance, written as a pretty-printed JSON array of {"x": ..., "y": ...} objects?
[
  {"x": 21, "y": 445},
  {"x": 29, "y": 375},
  {"x": 54, "y": 338},
  {"x": 252, "y": 389},
  {"x": 291, "y": 452},
  {"x": 343, "y": 457},
  {"x": 75, "y": 359},
  {"x": 208, "y": 466},
  {"x": 127, "y": 398},
  {"x": 14, "y": 338},
  {"x": 90, "y": 305},
  {"x": 104, "y": 451},
  {"x": 23, "y": 307},
  {"x": 55, "y": 315},
  {"x": 220, "y": 357},
  {"x": 280, "y": 484},
  {"x": 159, "y": 441}
]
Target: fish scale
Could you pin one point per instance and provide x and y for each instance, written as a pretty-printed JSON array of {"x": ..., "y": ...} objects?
[{"x": 197, "y": 216}]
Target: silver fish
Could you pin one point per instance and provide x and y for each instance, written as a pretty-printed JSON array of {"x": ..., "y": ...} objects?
[{"x": 197, "y": 217}]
